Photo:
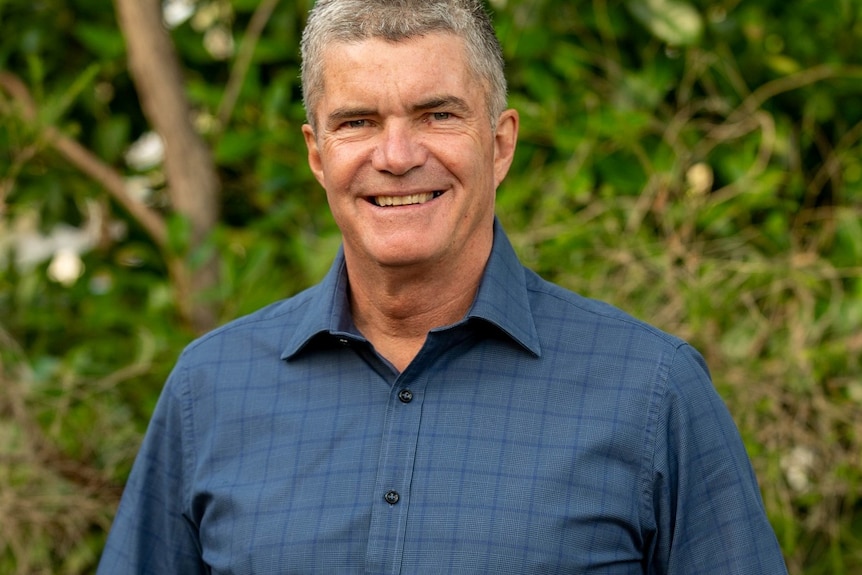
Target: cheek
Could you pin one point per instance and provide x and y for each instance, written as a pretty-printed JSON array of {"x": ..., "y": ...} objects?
[
  {"x": 341, "y": 166},
  {"x": 478, "y": 167}
]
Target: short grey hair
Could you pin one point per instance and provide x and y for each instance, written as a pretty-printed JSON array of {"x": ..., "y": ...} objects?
[{"x": 350, "y": 21}]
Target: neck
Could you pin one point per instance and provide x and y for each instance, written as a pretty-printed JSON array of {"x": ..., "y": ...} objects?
[{"x": 395, "y": 308}]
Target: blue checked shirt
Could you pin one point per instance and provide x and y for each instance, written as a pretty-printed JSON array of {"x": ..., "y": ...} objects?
[{"x": 544, "y": 433}]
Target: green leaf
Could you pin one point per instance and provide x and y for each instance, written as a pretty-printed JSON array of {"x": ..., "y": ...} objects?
[
  {"x": 179, "y": 233},
  {"x": 57, "y": 106},
  {"x": 102, "y": 41},
  {"x": 674, "y": 22},
  {"x": 783, "y": 64},
  {"x": 237, "y": 146},
  {"x": 112, "y": 137}
]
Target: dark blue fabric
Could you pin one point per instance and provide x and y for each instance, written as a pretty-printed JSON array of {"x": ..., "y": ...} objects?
[{"x": 545, "y": 433}]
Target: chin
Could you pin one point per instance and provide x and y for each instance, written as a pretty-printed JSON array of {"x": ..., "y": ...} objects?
[
  {"x": 393, "y": 257},
  {"x": 400, "y": 250},
  {"x": 401, "y": 260}
]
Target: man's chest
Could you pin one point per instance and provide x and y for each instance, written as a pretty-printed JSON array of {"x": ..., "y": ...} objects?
[{"x": 432, "y": 475}]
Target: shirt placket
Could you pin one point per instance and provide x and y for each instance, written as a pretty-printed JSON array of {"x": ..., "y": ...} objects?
[{"x": 391, "y": 503}]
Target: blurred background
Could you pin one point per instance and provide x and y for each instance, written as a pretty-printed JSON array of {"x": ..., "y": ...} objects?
[{"x": 697, "y": 163}]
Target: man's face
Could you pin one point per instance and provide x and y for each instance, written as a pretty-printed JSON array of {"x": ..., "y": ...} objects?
[{"x": 406, "y": 153}]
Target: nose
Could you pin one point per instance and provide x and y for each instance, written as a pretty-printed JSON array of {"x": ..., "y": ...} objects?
[{"x": 398, "y": 149}]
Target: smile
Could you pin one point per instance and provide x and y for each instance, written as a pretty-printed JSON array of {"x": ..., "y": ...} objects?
[{"x": 409, "y": 200}]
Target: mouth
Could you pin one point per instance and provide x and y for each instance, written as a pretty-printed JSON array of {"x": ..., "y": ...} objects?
[{"x": 408, "y": 200}]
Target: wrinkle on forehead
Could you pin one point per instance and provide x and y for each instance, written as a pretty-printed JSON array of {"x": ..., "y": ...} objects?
[{"x": 349, "y": 64}]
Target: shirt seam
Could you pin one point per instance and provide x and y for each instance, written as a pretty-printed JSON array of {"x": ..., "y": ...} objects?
[
  {"x": 293, "y": 306},
  {"x": 658, "y": 396},
  {"x": 187, "y": 426},
  {"x": 620, "y": 316}
]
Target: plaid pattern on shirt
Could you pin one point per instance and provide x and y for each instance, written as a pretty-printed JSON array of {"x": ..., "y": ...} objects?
[{"x": 545, "y": 433}]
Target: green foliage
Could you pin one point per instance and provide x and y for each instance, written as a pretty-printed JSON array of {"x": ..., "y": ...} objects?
[
  {"x": 696, "y": 163},
  {"x": 675, "y": 23}
]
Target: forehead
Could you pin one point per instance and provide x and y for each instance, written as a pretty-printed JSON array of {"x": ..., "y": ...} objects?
[{"x": 433, "y": 62}]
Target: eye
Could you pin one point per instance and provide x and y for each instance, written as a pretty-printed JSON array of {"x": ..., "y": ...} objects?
[
  {"x": 355, "y": 124},
  {"x": 439, "y": 116}
]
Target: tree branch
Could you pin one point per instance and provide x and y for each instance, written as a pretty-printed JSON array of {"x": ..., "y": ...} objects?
[
  {"x": 193, "y": 183},
  {"x": 155, "y": 68},
  {"x": 79, "y": 156},
  {"x": 258, "y": 21}
]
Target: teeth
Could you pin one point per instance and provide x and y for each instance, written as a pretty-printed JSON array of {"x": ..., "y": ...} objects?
[{"x": 404, "y": 200}]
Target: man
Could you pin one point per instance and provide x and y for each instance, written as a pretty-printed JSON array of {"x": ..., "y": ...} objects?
[{"x": 432, "y": 406}]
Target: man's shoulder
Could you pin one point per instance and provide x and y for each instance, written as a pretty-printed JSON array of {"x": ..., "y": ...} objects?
[
  {"x": 566, "y": 310},
  {"x": 269, "y": 323}
]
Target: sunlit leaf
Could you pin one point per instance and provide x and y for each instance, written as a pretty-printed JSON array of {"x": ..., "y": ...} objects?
[{"x": 672, "y": 21}]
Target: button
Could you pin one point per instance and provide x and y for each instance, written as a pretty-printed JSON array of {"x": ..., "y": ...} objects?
[
  {"x": 391, "y": 497},
  {"x": 405, "y": 395},
  {"x": 343, "y": 341}
]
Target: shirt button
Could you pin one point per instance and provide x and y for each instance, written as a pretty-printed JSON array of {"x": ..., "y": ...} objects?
[
  {"x": 391, "y": 497},
  {"x": 405, "y": 395}
]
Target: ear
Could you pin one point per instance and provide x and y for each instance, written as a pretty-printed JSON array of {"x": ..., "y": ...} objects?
[
  {"x": 505, "y": 140},
  {"x": 314, "y": 160}
]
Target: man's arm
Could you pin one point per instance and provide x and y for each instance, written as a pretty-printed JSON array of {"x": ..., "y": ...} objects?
[
  {"x": 706, "y": 503},
  {"x": 150, "y": 534}
]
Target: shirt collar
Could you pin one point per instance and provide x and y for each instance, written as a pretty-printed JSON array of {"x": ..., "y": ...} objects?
[{"x": 502, "y": 301}]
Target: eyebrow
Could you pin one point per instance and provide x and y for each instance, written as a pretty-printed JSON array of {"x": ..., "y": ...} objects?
[
  {"x": 340, "y": 115},
  {"x": 447, "y": 101}
]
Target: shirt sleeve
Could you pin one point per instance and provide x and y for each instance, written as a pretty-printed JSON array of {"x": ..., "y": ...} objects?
[
  {"x": 705, "y": 505},
  {"x": 150, "y": 534}
]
